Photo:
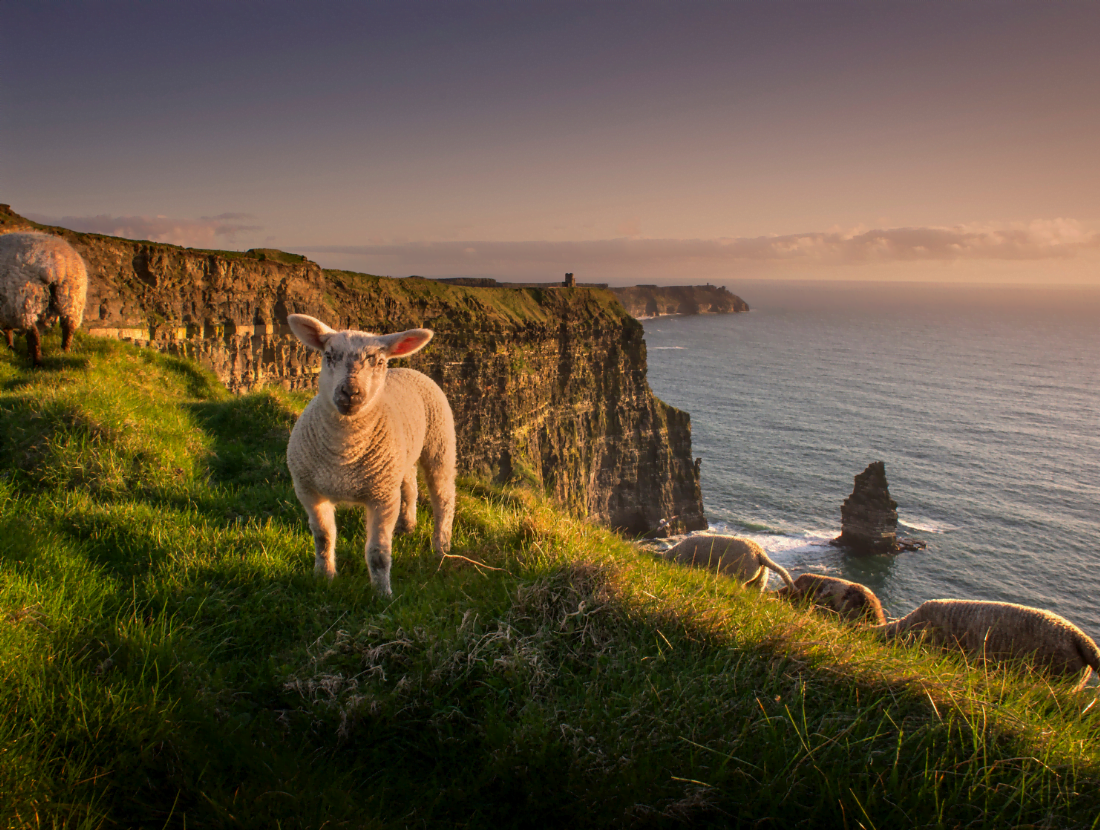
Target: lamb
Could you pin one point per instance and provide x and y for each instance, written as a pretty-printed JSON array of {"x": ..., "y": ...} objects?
[
  {"x": 41, "y": 278},
  {"x": 742, "y": 559},
  {"x": 359, "y": 440},
  {"x": 1005, "y": 631},
  {"x": 854, "y": 602}
]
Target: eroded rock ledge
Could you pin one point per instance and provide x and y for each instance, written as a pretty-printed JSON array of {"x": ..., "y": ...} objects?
[{"x": 546, "y": 383}]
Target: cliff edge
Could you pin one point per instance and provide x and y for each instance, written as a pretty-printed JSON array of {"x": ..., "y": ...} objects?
[{"x": 547, "y": 384}]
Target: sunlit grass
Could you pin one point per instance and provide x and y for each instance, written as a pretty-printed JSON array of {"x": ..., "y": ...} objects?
[{"x": 168, "y": 659}]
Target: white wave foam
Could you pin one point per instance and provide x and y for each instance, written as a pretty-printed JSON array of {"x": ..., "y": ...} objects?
[
  {"x": 668, "y": 348},
  {"x": 781, "y": 545},
  {"x": 925, "y": 525}
]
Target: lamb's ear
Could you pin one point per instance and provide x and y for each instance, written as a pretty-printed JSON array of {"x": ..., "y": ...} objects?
[
  {"x": 310, "y": 331},
  {"x": 405, "y": 343}
]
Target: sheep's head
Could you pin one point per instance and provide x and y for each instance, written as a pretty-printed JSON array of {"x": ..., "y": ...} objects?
[{"x": 353, "y": 363}]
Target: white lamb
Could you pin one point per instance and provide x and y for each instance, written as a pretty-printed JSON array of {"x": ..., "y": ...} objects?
[
  {"x": 1005, "y": 631},
  {"x": 359, "y": 440},
  {"x": 41, "y": 278}
]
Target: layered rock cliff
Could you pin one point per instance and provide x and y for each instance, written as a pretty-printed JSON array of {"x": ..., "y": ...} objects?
[
  {"x": 655, "y": 300},
  {"x": 547, "y": 384}
]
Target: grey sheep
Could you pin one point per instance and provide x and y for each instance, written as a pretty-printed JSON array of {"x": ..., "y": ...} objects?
[
  {"x": 360, "y": 439},
  {"x": 742, "y": 559},
  {"x": 41, "y": 279},
  {"x": 852, "y": 601},
  {"x": 1003, "y": 631}
]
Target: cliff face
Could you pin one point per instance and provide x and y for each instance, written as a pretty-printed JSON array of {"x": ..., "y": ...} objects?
[
  {"x": 654, "y": 300},
  {"x": 547, "y": 384}
]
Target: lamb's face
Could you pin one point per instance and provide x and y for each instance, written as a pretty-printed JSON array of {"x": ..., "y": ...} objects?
[
  {"x": 353, "y": 363},
  {"x": 353, "y": 371}
]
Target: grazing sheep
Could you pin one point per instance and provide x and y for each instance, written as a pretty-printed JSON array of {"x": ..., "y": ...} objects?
[
  {"x": 1004, "y": 630},
  {"x": 742, "y": 559},
  {"x": 359, "y": 440},
  {"x": 41, "y": 278},
  {"x": 854, "y": 602}
]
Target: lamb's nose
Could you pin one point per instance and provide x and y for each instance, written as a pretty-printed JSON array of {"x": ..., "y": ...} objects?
[{"x": 348, "y": 396}]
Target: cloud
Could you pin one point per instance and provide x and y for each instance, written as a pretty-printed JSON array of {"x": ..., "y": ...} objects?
[
  {"x": 204, "y": 232},
  {"x": 1043, "y": 239},
  {"x": 612, "y": 258}
]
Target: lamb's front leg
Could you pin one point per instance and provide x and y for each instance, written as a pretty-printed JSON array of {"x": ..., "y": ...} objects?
[
  {"x": 381, "y": 521},
  {"x": 322, "y": 521}
]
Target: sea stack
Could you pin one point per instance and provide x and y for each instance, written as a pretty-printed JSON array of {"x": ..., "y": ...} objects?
[{"x": 869, "y": 517}]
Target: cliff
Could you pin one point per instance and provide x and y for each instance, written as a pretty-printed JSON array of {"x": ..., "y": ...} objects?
[
  {"x": 547, "y": 384},
  {"x": 655, "y": 300}
]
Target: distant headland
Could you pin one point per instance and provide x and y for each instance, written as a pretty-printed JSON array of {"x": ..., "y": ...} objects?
[
  {"x": 658, "y": 300},
  {"x": 640, "y": 301}
]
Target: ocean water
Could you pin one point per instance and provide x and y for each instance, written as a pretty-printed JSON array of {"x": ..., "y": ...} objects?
[{"x": 984, "y": 403}]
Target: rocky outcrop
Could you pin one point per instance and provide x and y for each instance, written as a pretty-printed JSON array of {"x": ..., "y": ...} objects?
[
  {"x": 869, "y": 517},
  {"x": 653, "y": 300},
  {"x": 547, "y": 384}
]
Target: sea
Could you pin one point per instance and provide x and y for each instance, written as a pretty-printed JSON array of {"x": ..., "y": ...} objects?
[{"x": 983, "y": 402}]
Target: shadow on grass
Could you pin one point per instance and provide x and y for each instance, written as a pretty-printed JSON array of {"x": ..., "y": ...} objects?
[
  {"x": 249, "y": 437},
  {"x": 53, "y": 360},
  {"x": 200, "y": 383}
]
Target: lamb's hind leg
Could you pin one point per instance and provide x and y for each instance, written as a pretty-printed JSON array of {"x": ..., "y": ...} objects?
[
  {"x": 441, "y": 488},
  {"x": 406, "y": 519},
  {"x": 381, "y": 521}
]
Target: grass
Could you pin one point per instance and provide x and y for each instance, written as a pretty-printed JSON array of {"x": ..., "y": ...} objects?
[
  {"x": 168, "y": 660},
  {"x": 455, "y": 308}
]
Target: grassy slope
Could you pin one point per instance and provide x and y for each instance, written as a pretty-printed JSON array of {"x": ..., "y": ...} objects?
[{"x": 167, "y": 658}]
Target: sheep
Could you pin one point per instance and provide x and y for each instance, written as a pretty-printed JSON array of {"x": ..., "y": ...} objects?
[
  {"x": 359, "y": 440},
  {"x": 742, "y": 559},
  {"x": 1005, "y": 631},
  {"x": 41, "y": 278},
  {"x": 854, "y": 602}
]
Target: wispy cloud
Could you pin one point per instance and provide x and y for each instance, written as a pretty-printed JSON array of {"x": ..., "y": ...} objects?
[
  {"x": 204, "y": 232},
  {"x": 1039, "y": 240}
]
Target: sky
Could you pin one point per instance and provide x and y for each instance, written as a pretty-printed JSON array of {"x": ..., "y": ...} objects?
[{"x": 627, "y": 142}]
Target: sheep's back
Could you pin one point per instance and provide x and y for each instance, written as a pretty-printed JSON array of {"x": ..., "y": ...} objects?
[
  {"x": 429, "y": 423},
  {"x": 851, "y": 600},
  {"x": 1006, "y": 630},
  {"x": 29, "y": 264},
  {"x": 729, "y": 555}
]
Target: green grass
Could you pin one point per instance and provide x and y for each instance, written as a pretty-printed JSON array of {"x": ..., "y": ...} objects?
[
  {"x": 463, "y": 308},
  {"x": 167, "y": 658}
]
